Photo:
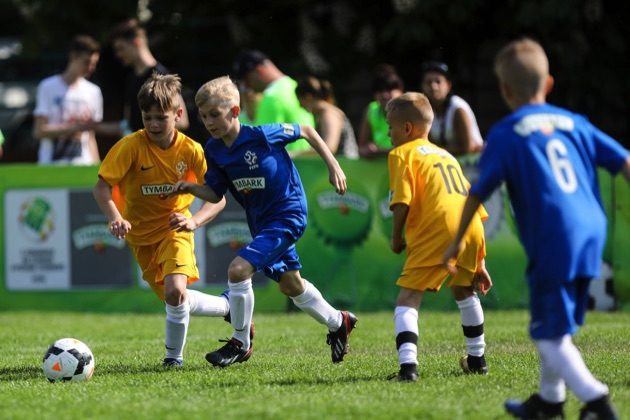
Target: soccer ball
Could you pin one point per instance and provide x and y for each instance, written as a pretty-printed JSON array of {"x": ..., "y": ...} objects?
[
  {"x": 601, "y": 291},
  {"x": 68, "y": 359}
]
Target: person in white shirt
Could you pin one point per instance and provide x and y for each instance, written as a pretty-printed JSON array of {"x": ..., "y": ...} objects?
[
  {"x": 68, "y": 108},
  {"x": 455, "y": 126}
]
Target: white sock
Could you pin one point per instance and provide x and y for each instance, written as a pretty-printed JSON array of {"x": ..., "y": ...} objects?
[
  {"x": 207, "y": 305},
  {"x": 472, "y": 323},
  {"x": 313, "y": 303},
  {"x": 406, "y": 329},
  {"x": 552, "y": 387},
  {"x": 177, "y": 318},
  {"x": 565, "y": 361},
  {"x": 241, "y": 310}
]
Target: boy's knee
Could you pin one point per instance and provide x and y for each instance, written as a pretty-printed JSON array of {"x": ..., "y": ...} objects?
[
  {"x": 462, "y": 292},
  {"x": 174, "y": 297},
  {"x": 239, "y": 270}
]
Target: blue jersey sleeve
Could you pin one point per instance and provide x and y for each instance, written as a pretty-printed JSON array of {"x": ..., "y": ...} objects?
[
  {"x": 491, "y": 165},
  {"x": 608, "y": 152},
  {"x": 281, "y": 134},
  {"x": 216, "y": 178}
]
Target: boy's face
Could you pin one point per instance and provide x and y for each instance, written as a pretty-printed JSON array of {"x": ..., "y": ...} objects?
[
  {"x": 397, "y": 129},
  {"x": 84, "y": 63},
  {"x": 218, "y": 119},
  {"x": 160, "y": 125}
]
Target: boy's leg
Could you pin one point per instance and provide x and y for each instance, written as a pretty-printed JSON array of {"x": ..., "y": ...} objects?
[
  {"x": 241, "y": 300},
  {"x": 309, "y": 299},
  {"x": 406, "y": 330},
  {"x": 177, "y": 318},
  {"x": 207, "y": 305},
  {"x": 472, "y": 320}
]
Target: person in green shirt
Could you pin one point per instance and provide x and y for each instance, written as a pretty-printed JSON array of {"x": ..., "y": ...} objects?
[
  {"x": 374, "y": 140},
  {"x": 279, "y": 103}
]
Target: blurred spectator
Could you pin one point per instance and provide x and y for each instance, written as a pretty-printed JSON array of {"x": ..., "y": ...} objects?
[
  {"x": 1, "y": 144},
  {"x": 317, "y": 97},
  {"x": 279, "y": 104},
  {"x": 455, "y": 126},
  {"x": 131, "y": 46},
  {"x": 249, "y": 103},
  {"x": 374, "y": 140},
  {"x": 68, "y": 107}
]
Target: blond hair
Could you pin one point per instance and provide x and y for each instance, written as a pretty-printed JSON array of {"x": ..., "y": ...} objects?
[
  {"x": 221, "y": 90},
  {"x": 523, "y": 66},
  {"x": 411, "y": 106},
  {"x": 161, "y": 90}
]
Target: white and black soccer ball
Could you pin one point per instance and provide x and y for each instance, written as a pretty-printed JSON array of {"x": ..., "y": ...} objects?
[
  {"x": 601, "y": 292},
  {"x": 68, "y": 359}
]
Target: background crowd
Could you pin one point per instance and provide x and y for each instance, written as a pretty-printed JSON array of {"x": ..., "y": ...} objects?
[{"x": 339, "y": 43}]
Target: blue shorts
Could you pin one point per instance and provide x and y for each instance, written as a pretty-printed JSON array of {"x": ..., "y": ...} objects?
[
  {"x": 557, "y": 311},
  {"x": 272, "y": 251}
]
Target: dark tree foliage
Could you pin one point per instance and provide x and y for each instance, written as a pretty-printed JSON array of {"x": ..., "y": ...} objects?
[{"x": 341, "y": 40}]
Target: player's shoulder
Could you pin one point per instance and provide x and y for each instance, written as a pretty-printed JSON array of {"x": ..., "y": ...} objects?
[{"x": 48, "y": 82}]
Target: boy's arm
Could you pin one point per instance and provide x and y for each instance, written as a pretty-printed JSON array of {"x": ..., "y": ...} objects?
[
  {"x": 470, "y": 208},
  {"x": 118, "y": 226},
  {"x": 205, "y": 214},
  {"x": 200, "y": 191},
  {"x": 626, "y": 170},
  {"x": 400, "y": 212},
  {"x": 336, "y": 176}
]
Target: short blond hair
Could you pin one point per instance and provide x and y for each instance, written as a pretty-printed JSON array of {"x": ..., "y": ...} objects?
[
  {"x": 523, "y": 66},
  {"x": 221, "y": 90},
  {"x": 411, "y": 106},
  {"x": 161, "y": 90}
]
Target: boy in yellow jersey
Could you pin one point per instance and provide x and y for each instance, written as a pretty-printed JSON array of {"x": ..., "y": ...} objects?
[
  {"x": 159, "y": 229},
  {"x": 428, "y": 191}
]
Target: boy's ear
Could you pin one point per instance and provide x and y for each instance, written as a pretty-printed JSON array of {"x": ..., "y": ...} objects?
[
  {"x": 549, "y": 85},
  {"x": 236, "y": 111},
  {"x": 408, "y": 127}
]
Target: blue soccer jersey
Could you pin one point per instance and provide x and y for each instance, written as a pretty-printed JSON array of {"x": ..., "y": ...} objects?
[
  {"x": 261, "y": 176},
  {"x": 548, "y": 156}
]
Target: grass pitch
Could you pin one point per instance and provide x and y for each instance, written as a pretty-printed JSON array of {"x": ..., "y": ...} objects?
[{"x": 290, "y": 375}]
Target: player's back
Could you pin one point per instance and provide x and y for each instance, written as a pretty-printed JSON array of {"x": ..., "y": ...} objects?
[
  {"x": 430, "y": 181},
  {"x": 548, "y": 157}
]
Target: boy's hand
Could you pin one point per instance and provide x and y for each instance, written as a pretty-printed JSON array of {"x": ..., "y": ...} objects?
[
  {"x": 482, "y": 282},
  {"x": 450, "y": 257},
  {"x": 180, "y": 187},
  {"x": 119, "y": 228},
  {"x": 338, "y": 180},
  {"x": 179, "y": 222}
]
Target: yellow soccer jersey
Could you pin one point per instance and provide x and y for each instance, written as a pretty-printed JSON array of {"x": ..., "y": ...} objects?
[
  {"x": 145, "y": 174},
  {"x": 429, "y": 180}
]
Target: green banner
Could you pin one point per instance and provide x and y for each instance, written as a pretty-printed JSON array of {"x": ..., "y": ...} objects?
[{"x": 55, "y": 255}]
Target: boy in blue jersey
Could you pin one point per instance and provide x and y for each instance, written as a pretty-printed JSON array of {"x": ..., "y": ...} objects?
[
  {"x": 548, "y": 157},
  {"x": 253, "y": 164}
]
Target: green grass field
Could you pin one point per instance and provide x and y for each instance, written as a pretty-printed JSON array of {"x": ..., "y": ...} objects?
[{"x": 290, "y": 375}]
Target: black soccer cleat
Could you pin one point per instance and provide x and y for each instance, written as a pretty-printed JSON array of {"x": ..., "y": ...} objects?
[
  {"x": 535, "y": 408},
  {"x": 229, "y": 354},
  {"x": 599, "y": 409},
  {"x": 474, "y": 364},
  {"x": 408, "y": 373},
  {"x": 338, "y": 340},
  {"x": 170, "y": 362}
]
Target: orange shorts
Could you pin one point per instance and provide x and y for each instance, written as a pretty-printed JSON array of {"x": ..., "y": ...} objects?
[
  {"x": 174, "y": 254},
  {"x": 432, "y": 278}
]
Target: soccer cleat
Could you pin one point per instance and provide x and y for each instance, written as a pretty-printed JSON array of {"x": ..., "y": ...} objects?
[
  {"x": 408, "y": 373},
  {"x": 169, "y": 362},
  {"x": 338, "y": 340},
  {"x": 599, "y": 409},
  {"x": 229, "y": 354},
  {"x": 474, "y": 364},
  {"x": 535, "y": 408}
]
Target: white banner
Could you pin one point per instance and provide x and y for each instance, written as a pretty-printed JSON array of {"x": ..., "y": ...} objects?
[{"x": 36, "y": 239}]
